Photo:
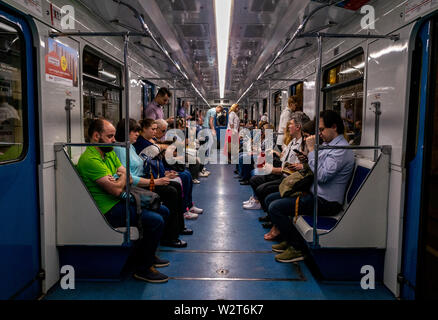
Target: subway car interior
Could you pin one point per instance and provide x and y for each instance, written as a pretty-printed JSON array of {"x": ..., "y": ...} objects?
[{"x": 269, "y": 149}]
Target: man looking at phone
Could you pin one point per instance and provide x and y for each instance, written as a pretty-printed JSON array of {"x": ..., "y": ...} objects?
[{"x": 335, "y": 167}]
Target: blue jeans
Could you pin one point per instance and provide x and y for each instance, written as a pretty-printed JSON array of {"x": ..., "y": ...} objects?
[
  {"x": 281, "y": 209},
  {"x": 187, "y": 184},
  {"x": 153, "y": 226},
  {"x": 245, "y": 168}
]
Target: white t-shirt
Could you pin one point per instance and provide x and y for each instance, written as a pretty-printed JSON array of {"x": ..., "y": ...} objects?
[
  {"x": 233, "y": 119},
  {"x": 289, "y": 155},
  {"x": 285, "y": 117}
]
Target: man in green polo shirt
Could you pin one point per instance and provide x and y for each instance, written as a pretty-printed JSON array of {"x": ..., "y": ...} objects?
[{"x": 97, "y": 167}]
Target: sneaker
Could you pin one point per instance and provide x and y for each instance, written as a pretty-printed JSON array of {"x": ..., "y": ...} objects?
[
  {"x": 203, "y": 175},
  {"x": 196, "y": 181},
  {"x": 190, "y": 215},
  {"x": 196, "y": 210},
  {"x": 280, "y": 247},
  {"x": 151, "y": 275},
  {"x": 251, "y": 199},
  {"x": 289, "y": 255},
  {"x": 255, "y": 205},
  {"x": 160, "y": 263}
]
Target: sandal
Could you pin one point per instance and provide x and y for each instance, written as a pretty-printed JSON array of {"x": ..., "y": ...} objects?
[{"x": 272, "y": 234}]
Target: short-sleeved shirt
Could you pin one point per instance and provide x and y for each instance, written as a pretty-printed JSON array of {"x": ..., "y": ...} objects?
[
  {"x": 154, "y": 111},
  {"x": 211, "y": 113},
  {"x": 92, "y": 167}
]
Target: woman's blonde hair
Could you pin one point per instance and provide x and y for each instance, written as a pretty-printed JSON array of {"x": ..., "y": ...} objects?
[
  {"x": 234, "y": 107},
  {"x": 295, "y": 100},
  {"x": 287, "y": 137}
]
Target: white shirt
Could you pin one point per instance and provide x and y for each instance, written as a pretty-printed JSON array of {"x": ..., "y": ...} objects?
[
  {"x": 285, "y": 117},
  {"x": 289, "y": 155},
  {"x": 233, "y": 119}
]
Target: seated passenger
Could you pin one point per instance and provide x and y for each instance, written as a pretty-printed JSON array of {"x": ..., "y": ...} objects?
[
  {"x": 168, "y": 194},
  {"x": 146, "y": 140},
  {"x": 335, "y": 167},
  {"x": 97, "y": 167},
  {"x": 263, "y": 185}
]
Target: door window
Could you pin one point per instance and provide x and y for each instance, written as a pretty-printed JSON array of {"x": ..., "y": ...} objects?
[{"x": 11, "y": 94}]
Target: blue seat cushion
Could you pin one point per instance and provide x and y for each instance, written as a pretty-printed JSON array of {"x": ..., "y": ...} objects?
[
  {"x": 324, "y": 223},
  {"x": 360, "y": 175}
]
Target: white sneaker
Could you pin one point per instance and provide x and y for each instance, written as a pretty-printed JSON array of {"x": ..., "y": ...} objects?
[
  {"x": 196, "y": 181},
  {"x": 196, "y": 210},
  {"x": 251, "y": 199},
  {"x": 203, "y": 174},
  {"x": 190, "y": 215},
  {"x": 255, "y": 205}
]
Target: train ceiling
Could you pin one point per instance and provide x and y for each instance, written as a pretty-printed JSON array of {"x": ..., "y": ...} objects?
[{"x": 259, "y": 28}]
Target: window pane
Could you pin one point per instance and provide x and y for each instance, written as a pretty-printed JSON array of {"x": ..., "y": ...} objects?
[
  {"x": 348, "y": 70},
  {"x": 348, "y": 103},
  {"x": 100, "y": 101},
  {"x": 11, "y": 104},
  {"x": 99, "y": 68}
]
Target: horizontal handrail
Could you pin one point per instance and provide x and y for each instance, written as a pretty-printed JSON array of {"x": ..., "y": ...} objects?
[
  {"x": 383, "y": 148},
  {"x": 79, "y": 144}
]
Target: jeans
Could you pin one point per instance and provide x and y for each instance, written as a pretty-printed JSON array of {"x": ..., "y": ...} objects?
[
  {"x": 171, "y": 197},
  {"x": 187, "y": 183},
  {"x": 281, "y": 209},
  {"x": 153, "y": 225},
  {"x": 244, "y": 167}
]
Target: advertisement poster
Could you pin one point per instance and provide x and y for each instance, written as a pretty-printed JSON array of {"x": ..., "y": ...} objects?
[{"x": 61, "y": 63}]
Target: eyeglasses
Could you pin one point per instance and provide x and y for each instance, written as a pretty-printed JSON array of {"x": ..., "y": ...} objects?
[{"x": 321, "y": 130}]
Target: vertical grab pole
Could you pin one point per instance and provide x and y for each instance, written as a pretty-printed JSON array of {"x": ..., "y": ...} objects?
[
  {"x": 377, "y": 112},
  {"x": 315, "y": 171},
  {"x": 174, "y": 104},
  {"x": 270, "y": 102},
  {"x": 128, "y": 172}
]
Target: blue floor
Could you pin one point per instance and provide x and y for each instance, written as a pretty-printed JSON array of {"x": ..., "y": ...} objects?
[{"x": 226, "y": 258}]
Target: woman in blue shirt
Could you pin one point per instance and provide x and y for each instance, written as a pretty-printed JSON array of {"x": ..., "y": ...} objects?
[{"x": 168, "y": 193}]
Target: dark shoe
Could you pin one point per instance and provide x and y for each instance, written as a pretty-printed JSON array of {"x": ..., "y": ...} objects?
[
  {"x": 236, "y": 172},
  {"x": 186, "y": 232},
  {"x": 174, "y": 243},
  {"x": 151, "y": 275},
  {"x": 267, "y": 225},
  {"x": 265, "y": 219},
  {"x": 244, "y": 183},
  {"x": 160, "y": 263}
]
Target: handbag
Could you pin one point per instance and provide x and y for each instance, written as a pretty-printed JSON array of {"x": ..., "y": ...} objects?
[
  {"x": 143, "y": 199},
  {"x": 296, "y": 183}
]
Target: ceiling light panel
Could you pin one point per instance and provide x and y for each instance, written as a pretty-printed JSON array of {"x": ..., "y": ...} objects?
[{"x": 223, "y": 10}]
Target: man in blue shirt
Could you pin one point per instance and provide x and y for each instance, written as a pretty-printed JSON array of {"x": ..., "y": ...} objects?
[{"x": 335, "y": 167}]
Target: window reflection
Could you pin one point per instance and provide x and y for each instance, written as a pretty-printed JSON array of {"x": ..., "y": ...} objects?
[
  {"x": 343, "y": 87},
  {"x": 11, "y": 95}
]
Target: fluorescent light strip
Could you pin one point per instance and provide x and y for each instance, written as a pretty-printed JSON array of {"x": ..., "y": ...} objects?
[{"x": 222, "y": 10}]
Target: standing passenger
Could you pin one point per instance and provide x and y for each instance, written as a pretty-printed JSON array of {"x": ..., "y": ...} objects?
[
  {"x": 154, "y": 109},
  {"x": 285, "y": 117}
]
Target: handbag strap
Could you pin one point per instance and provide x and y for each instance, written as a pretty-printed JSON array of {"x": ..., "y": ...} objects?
[{"x": 297, "y": 206}]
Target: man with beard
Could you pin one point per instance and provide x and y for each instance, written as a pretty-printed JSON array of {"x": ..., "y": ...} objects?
[{"x": 105, "y": 178}]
